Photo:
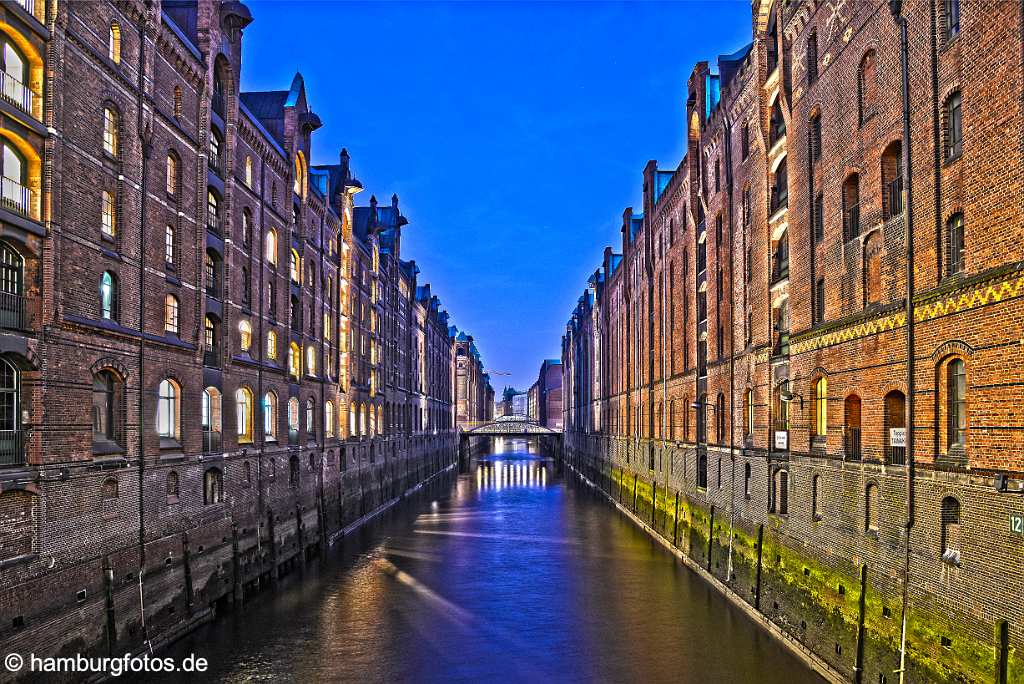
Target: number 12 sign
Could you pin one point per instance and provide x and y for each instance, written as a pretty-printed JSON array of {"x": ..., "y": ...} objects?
[{"x": 1017, "y": 524}]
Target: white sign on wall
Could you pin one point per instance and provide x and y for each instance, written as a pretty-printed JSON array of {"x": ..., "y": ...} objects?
[
  {"x": 781, "y": 439},
  {"x": 898, "y": 437}
]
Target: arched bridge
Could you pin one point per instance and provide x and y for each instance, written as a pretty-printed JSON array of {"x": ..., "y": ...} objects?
[{"x": 506, "y": 426}]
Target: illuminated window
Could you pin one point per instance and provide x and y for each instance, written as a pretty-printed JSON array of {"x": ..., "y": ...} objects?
[
  {"x": 294, "y": 360},
  {"x": 271, "y": 254},
  {"x": 294, "y": 268},
  {"x": 270, "y": 416},
  {"x": 293, "y": 414},
  {"x": 171, "y": 314},
  {"x": 329, "y": 419},
  {"x": 172, "y": 175},
  {"x": 271, "y": 344},
  {"x": 167, "y": 410},
  {"x": 108, "y": 296},
  {"x": 177, "y": 102},
  {"x": 244, "y": 411},
  {"x": 244, "y": 335},
  {"x": 821, "y": 407},
  {"x": 110, "y": 131},
  {"x": 108, "y": 217},
  {"x": 310, "y": 360},
  {"x": 169, "y": 244},
  {"x": 248, "y": 171},
  {"x": 114, "y": 43}
]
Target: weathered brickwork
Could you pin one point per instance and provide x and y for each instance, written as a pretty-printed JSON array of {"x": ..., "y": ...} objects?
[
  {"x": 746, "y": 347},
  {"x": 214, "y": 364}
]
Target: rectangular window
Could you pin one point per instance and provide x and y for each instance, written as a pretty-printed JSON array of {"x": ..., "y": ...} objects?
[
  {"x": 745, "y": 141},
  {"x": 819, "y": 300},
  {"x": 812, "y": 59},
  {"x": 108, "y": 221},
  {"x": 952, "y": 18},
  {"x": 815, "y": 134},
  {"x": 954, "y": 137}
]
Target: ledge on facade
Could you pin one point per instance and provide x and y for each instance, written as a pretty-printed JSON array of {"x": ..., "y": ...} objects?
[{"x": 18, "y": 560}]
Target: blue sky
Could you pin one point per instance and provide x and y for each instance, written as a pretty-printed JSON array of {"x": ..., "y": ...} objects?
[{"x": 514, "y": 133}]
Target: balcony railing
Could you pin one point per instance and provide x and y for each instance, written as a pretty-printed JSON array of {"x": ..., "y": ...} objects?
[
  {"x": 211, "y": 441},
  {"x": 12, "y": 447},
  {"x": 851, "y": 444},
  {"x": 12, "y": 311},
  {"x": 211, "y": 358},
  {"x": 851, "y": 222},
  {"x": 15, "y": 196},
  {"x": 16, "y": 92},
  {"x": 213, "y": 222},
  {"x": 894, "y": 205},
  {"x": 30, "y": 7},
  {"x": 218, "y": 103}
]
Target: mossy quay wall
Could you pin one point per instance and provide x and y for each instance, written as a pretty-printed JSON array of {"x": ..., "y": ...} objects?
[{"x": 816, "y": 573}]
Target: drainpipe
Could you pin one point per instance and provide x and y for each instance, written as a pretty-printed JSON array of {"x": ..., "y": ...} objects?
[
  {"x": 895, "y": 7},
  {"x": 732, "y": 344},
  {"x": 258, "y": 442},
  {"x": 147, "y": 148}
]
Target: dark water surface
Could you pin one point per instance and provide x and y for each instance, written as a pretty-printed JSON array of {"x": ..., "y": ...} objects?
[{"x": 510, "y": 574}]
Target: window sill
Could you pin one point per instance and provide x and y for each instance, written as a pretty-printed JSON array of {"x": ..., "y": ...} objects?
[
  {"x": 169, "y": 443},
  {"x": 106, "y": 448},
  {"x": 952, "y": 159}
]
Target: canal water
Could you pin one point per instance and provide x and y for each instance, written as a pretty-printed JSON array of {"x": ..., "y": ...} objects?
[{"x": 510, "y": 573}]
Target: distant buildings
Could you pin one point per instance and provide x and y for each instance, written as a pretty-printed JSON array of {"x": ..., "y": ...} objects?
[
  {"x": 544, "y": 398},
  {"x": 474, "y": 396},
  {"x": 513, "y": 403}
]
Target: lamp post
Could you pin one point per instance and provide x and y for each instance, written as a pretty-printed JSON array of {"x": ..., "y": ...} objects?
[{"x": 896, "y": 7}]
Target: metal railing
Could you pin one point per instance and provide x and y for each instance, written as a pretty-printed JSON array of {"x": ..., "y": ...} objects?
[
  {"x": 12, "y": 311},
  {"x": 12, "y": 447},
  {"x": 217, "y": 102},
  {"x": 16, "y": 92},
  {"x": 15, "y": 196},
  {"x": 851, "y": 222},
  {"x": 211, "y": 358},
  {"x": 213, "y": 222},
  {"x": 894, "y": 203},
  {"x": 30, "y": 7},
  {"x": 211, "y": 441},
  {"x": 851, "y": 444}
]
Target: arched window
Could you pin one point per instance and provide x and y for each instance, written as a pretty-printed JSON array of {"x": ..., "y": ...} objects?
[
  {"x": 244, "y": 335},
  {"x": 293, "y": 415},
  {"x": 953, "y": 126},
  {"x": 114, "y": 43},
  {"x": 108, "y": 296},
  {"x": 311, "y": 359},
  {"x": 782, "y": 492},
  {"x": 851, "y": 207},
  {"x": 108, "y": 214},
  {"x": 10, "y": 409},
  {"x": 956, "y": 404},
  {"x": 172, "y": 174},
  {"x": 892, "y": 180},
  {"x": 172, "y": 487},
  {"x": 812, "y": 58},
  {"x": 777, "y": 125},
  {"x": 211, "y": 419},
  {"x": 867, "y": 86},
  {"x": 873, "y": 269},
  {"x": 271, "y": 248},
  {"x": 748, "y": 413},
  {"x": 15, "y": 195},
  {"x": 213, "y": 486},
  {"x": 171, "y": 314},
  {"x": 248, "y": 171},
  {"x": 821, "y": 407},
  {"x": 106, "y": 395},
  {"x": 12, "y": 276},
  {"x": 871, "y": 508},
  {"x": 329, "y": 419},
  {"x": 894, "y": 425},
  {"x": 294, "y": 267},
  {"x": 270, "y": 416},
  {"x": 353, "y": 428},
  {"x": 271, "y": 344},
  {"x": 213, "y": 211},
  {"x": 950, "y": 541},
  {"x": 244, "y": 414},
  {"x": 294, "y": 360},
  {"x": 246, "y": 228},
  {"x": 720, "y": 418},
  {"x": 362, "y": 421},
  {"x": 851, "y": 427},
  {"x": 310, "y": 416},
  {"x": 167, "y": 412},
  {"x": 300, "y": 172},
  {"x": 178, "y": 109},
  {"x": 110, "y": 132},
  {"x": 955, "y": 244},
  {"x": 15, "y": 76},
  {"x": 170, "y": 245}
]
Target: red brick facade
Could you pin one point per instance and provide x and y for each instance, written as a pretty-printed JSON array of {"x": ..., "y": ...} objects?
[
  {"x": 213, "y": 363},
  {"x": 747, "y": 345}
]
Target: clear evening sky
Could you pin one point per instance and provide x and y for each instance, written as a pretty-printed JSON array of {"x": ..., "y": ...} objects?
[{"x": 514, "y": 133}]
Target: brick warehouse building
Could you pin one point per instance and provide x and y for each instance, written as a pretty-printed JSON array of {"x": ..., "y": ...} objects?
[
  {"x": 191, "y": 409},
  {"x": 741, "y": 360}
]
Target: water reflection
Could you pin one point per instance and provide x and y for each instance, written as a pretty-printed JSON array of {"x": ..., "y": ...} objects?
[{"x": 509, "y": 574}]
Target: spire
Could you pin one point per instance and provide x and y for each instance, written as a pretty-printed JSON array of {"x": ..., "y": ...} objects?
[{"x": 394, "y": 200}]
